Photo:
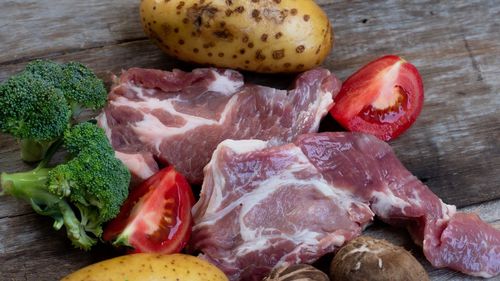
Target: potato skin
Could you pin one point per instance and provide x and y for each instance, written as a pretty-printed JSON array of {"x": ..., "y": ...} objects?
[
  {"x": 258, "y": 35},
  {"x": 149, "y": 267}
]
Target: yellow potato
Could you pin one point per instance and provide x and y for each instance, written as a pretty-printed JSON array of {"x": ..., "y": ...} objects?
[
  {"x": 256, "y": 35},
  {"x": 149, "y": 267}
]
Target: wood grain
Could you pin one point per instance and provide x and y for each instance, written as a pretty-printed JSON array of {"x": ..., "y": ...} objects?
[
  {"x": 454, "y": 147},
  {"x": 36, "y": 28}
]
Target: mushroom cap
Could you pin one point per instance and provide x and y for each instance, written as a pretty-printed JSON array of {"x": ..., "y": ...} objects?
[
  {"x": 366, "y": 258},
  {"x": 297, "y": 272}
]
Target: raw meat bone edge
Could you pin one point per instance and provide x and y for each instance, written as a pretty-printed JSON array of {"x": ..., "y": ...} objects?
[{"x": 376, "y": 180}]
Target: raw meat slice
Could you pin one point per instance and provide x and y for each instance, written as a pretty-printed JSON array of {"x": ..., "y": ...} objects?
[
  {"x": 178, "y": 118},
  {"x": 263, "y": 206}
]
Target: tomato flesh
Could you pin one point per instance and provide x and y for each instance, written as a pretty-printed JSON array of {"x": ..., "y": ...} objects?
[
  {"x": 156, "y": 218},
  {"x": 383, "y": 98}
]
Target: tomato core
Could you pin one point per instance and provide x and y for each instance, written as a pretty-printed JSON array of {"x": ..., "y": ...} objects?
[{"x": 390, "y": 113}]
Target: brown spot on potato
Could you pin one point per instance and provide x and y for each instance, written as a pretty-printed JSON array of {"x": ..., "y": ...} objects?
[
  {"x": 166, "y": 29},
  {"x": 250, "y": 45},
  {"x": 229, "y": 2},
  {"x": 278, "y": 35},
  {"x": 180, "y": 5},
  {"x": 210, "y": 54},
  {"x": 279, "y": 54},
  {"x": 300, "y": 66},
  {"x": 300, "y": 49},
  {"x": 240, "y": 9},
  {"x": 307, "y": 17},
  {"x": 256, "y": 15},
  {"x": 293, "y": 11},
  {"x": 287, "y": 65},
  {"x": 220, "y": 55},
  {"x": 181, "y": 42},
  {"x": 235, "y": 56},
  {"x": 185, "y": 20},
  {"x": 242, "y": 51},
  {"x": 317, "y": 50},
  {"x": 176, "y": 30},
  {"x": 259, "y": 56},
  {"x": 277, "y": 1},
  {"x": 224, "y": 34},
  {"x": 195, "y": 50},
  {"x": 229, "y": 12},
  {"x": 264, "y": 37},
  {"x": 201, "y": 16},
  {"x": 244, "y": 39}
]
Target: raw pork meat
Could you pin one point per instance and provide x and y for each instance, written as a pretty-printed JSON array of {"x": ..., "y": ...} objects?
[
  {"x": 178, "y": 118},
  {"x": 264, "y": 206}
]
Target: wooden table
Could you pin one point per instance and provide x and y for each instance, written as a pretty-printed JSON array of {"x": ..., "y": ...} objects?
[{"x": 454, "y": 147}]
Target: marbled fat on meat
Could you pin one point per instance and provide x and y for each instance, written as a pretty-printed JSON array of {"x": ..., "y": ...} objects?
[
  {"x": 264, "y": 206},
  {"x": 178, "y": 117}
]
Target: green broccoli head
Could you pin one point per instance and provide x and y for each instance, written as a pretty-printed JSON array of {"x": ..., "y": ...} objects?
[
  {"x": 82, "y": 88},
  {"x": 86, "y": 136},
  {"x": 34, "y": 112},
  {"x": 37, "y": 105},
  {"x": 92, "y": 183},
  {"x": 94, "y": 178},
  {"x": 79, "y": 84},
  {"x": 46, "y": 70}
]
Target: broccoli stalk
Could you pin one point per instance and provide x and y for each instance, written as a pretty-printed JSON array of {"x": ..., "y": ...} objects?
[
  {"x": 34, "y": 150},
  {"x": 81, "y": 194},
  {"x": 38, "y": 104},
  {"x": 31, "y": 186}
]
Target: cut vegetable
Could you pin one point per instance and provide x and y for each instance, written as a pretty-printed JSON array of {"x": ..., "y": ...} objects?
[
  {"x": 156, "y": 218},
  {"x": 149, "y": 267},
  {"x": 384, "y": 98}
]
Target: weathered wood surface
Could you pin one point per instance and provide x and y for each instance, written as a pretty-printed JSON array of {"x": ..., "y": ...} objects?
[{"x": 454, "y": 146}]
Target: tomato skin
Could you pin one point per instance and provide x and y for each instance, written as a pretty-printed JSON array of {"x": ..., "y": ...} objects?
[
  {"x": 383, "y": 98},
  {"x": 156, "y": 217}
]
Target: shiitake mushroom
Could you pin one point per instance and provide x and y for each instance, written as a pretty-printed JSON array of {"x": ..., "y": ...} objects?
[
  {"x": 297, "y": 272},
  {"x": 366, "y": 258}
]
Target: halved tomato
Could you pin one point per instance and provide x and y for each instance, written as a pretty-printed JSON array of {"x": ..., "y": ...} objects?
[
  {"x": 383, "y": 98},
  {"x": 156, "y": 217}
]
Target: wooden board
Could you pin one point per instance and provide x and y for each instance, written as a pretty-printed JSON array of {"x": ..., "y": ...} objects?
[{"x": 454, "y": 147}]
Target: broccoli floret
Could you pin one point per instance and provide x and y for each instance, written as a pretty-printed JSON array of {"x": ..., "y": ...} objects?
[
  {"x": 82, "y": 193},
  {"x": 82, "y": 88},
  {"x": 79, "y": 84},
  {"x": 86, "y": 136},
  {"x": 34, "y": 112},
  {"x": 39, "y": 103}
]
